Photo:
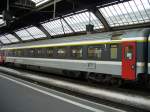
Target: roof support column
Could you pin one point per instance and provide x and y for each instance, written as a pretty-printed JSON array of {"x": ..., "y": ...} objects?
[
  {"x": 69, "y": 25},
  {"x": 43, "y": 30},
  {"x": 1, "y": 43},
  {"x": 101, "y": 18},
  {"x": 20, "y": 40}
]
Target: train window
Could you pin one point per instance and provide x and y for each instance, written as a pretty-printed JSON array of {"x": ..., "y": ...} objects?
[
  {"x": 113, "y": 51},
  {"x": 76, "y": 52},
  {"x": 18, "y": 52},
  {"x": 15, "y": 52},
  {"x": 94, "y": 52},
  {"x": 61, "y": 52},
  {"x": 39, "y": 51},
  {"x": 10, "y": 53},
  {"x": 25, "y": 52},
  {"x": 7, "y": 52},
  {"x": 128, "y": 52},
  {"x": 31, "y": 52},
  {"x": 50, "y": 52},
  {"x": 22, "y": 52}
]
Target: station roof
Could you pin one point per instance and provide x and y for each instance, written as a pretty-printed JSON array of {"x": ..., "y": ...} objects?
[
  {"x": 39, "y": 19},
  {"x": 39, "y": 2}
]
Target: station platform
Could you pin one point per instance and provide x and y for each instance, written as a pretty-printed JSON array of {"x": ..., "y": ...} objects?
[{"x": 18, "y": 95}]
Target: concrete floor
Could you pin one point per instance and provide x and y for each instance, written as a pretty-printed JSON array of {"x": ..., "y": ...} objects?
[{"x": 17, "y": 95}]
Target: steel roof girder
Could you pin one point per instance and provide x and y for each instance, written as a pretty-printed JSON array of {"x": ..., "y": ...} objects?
[
  {"x": 14, "y": 34},
  {"x": 1, "y": 43},
  {"x": 47, "y": 4},
  {"x": 44, "y": 30},
  {"x": 99, "y": 15},
  {"x": 69, "y": 25},
  {"x": 125, "y": 27}
]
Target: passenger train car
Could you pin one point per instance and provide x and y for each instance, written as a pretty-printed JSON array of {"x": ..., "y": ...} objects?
[{"x": 121, "y": 55}]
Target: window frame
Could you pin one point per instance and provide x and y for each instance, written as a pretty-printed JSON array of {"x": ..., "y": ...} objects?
[
  {"x": 110, "y": 53},
  {"x": 47, "y": 55}
]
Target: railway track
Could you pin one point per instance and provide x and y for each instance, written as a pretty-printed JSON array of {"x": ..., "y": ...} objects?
[{"x": 133, "y": 100}]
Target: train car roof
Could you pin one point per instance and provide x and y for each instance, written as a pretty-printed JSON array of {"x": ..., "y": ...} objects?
[{"x": 116, "y": 35}]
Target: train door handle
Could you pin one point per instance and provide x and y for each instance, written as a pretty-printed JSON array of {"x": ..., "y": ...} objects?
[{"x": 132, "y": 67}]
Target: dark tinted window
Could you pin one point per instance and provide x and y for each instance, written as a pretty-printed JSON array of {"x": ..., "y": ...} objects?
[
  {"x": 94, "y": 52},
  {"x": 61, "y": 52},
  {"x": 76, "y": 52},
  {"x": 31, "y": 52},
  {"x": 128, "y": 52},
  {"x": 50, "y": 52}
]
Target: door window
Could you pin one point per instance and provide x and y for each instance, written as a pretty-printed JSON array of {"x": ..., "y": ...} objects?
[{"x": 128, "y": 53}]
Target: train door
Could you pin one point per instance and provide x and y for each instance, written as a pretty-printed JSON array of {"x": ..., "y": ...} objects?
[
  {"x": 2, "y": 58},
  {"x": 129, "y": 60}
]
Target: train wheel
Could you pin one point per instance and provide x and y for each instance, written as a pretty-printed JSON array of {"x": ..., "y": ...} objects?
[
  {"x": 120, "y": 82},
  {"x": 95, "y": 77},
  {"x": 143, "y": 80},
  {"x": 66, "y": 73},
  {"x": 116, "y": 82},
  {"x": 73, "y": 74},
  {"x": 87, "y": 77}
]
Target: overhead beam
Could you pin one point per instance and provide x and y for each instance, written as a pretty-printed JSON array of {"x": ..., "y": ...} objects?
[
  {"x": 47, "y": 4},
  {"x": 101, "y": 18},
  {"x": 21, "y": 7},
  {"x": 141, "y": 25},
  {"x": 25, "y": 3},
  {"x": 1, "y": 43}
]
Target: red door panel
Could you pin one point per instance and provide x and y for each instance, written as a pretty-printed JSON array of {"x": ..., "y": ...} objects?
[{"x": 129, "y": 60}]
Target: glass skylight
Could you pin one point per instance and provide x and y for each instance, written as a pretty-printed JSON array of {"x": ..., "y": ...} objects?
[
  {"x": 30, "y": 33},
  {"x": 40, "y": 2},
  {"x": 11, "y": 38},
  {"x": 35, "y": 32},
  {"x": 37, "y": 1},
  {"x": 1, "y": 21},
  {"x": 131, "y": 12},
  {"x": 4, "y": 40},
  {"x": 79, "y": 21},
  {"x": 24, "y": 35},
  {"x": 57, "y": 27},
  {"x": 8, "y": 38}
]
